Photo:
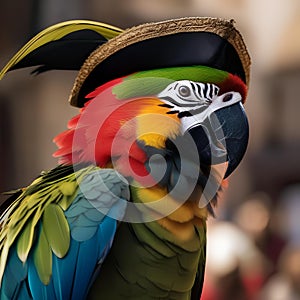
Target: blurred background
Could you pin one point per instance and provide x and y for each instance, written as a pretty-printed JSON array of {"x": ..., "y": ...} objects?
[{"x": 254, "y": 241}]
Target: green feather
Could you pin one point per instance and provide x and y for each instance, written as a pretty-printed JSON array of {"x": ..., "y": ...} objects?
[
  {"x": 25, "y": 241},
  {"x": 140, "y": 86},
  {"x": 14, "y": 230},
  {"x": 56, "y": 229},
  {"x": 42, "y": 258},
  {"x": 151, "y": 82},
  {"x": 68, "y": 190},
  {"x": 194, "y": 73},
  {"x": 143, "y": 232}
]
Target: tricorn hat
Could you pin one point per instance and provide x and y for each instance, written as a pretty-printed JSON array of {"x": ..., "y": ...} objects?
[{"x": 211, "y": 42}]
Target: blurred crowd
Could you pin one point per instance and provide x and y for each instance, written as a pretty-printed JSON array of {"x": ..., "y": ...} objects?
[{"x": 255, "y": 255}]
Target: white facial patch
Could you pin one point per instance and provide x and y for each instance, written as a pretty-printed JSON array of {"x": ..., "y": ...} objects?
[{"x": 194, "y": 103}]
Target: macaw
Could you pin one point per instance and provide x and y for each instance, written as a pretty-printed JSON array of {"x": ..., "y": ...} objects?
[{"x": 123, "y": 215}]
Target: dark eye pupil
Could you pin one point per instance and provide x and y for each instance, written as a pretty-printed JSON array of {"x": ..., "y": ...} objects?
[{"x": 184, "y": 91}]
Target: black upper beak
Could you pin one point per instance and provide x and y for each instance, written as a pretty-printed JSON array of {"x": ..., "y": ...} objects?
[
  {"x": 236, "y": 129},
  {"x": 223, "y": 137}
]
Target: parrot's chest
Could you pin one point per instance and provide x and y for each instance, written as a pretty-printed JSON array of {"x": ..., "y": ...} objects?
[{"x": 141, "y": 265}]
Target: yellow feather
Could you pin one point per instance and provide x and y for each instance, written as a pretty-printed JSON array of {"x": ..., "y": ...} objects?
[
  {"x": 178, "y": 218},
  {"x": 182, "y": 231},
  {"x": 56, "y": 32},
  {"x": 154, "y": 125}
]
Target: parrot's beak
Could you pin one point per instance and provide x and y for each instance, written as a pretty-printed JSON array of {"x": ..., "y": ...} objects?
[
  {"x": 236, "y": 132},
  {"x": 222, "y": 137}
]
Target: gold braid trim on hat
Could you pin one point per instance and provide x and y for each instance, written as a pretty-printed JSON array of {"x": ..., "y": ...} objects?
[{"x": 221, "y": 27}]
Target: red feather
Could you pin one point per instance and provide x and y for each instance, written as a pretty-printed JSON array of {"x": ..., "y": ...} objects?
[
  {"x": 98, "y": 134},
  {"x": 233, "y": 83}
]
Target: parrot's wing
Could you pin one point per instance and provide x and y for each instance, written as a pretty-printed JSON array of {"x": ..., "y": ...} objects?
[
  {"x": 63, "y": 46},
  {"x": 57, "y": 233}
]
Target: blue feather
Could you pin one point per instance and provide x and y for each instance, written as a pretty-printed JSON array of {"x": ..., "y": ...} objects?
[
  {"x": 85, "y": 266},
  {"x": 81, "y": 234},
  {"x": 38, "y": 289},
  {"x": 15, "y": 264},
  {"x": 64, "y": 271},
  {"x": 94, "y": 215},
  {"x": 106, "y": 232},
  {"x": 9, "y": 284},
  {"x": 23, "y": 293},
  {"x": 108, "y": 229},
  {"x": 4, "y": 297},
  {"x": 74, "y": 210},
  {"x": 118, "y": 210},
  {"x": 15, "y": 273}
]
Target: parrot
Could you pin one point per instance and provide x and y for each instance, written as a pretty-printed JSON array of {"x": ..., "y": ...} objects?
[{"x": 140, "y": 167}]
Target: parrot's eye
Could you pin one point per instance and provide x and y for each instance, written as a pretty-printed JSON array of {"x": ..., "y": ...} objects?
[{"x": 184, "y": 91}]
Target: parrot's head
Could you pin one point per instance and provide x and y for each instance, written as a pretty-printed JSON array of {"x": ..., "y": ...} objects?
[{"x": 162, "y": 102}]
